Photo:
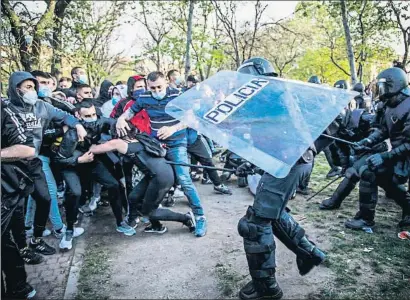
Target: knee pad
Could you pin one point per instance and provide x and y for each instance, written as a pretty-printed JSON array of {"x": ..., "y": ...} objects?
[
  {"x": 366, "y": 174},
  {"x": 352, "y": 174}
]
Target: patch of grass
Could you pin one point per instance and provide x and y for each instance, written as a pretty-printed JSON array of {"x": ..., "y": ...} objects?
[
  {"x": 228, "y": 280},
  {"x": 94, "y": 274},
  {"x": 366, "y": 266}
]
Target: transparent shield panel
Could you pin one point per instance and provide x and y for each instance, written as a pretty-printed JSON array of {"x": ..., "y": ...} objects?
[{"x": 268, "y": 121}]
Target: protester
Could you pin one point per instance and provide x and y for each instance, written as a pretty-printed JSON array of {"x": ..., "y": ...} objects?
[
  {"x": 171, "y": 132},
  {"x": 104, "y": 93},
  {"x": 64, "y": 83},
  {"x": 174, "y": 79},
  {"x": 16, "y": 184},
  {"x": 34, "y": 116},
  {"x": 83, "y": 91},
  {"x": 119, "y": 92},
  {"x": 78, "y": 76},
  {"x": 136, "y": 85}
]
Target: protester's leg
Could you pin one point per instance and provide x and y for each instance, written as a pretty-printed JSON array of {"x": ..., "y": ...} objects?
[
  {"x": 73, "y": 194},
  {"x": 30, "y": 210},
  {"x": 136, "y": 198},
  {"x": 55, "y": 217},
  {"x": 179, "y": 155},
  {"x": 104, "y": 177},
  {"x": 17, "y": 226}
]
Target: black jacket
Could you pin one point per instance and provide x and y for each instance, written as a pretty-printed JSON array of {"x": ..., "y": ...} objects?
[{"x": 103, "y": 96}]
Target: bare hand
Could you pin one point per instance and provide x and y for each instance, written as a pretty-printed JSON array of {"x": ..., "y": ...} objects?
[
  {"x": 86, "y": 158},
  {"x": 81, "y": 132},
  {"x": 165, "y": 132},
  {"x": 71, "y": 100},
  {"x": 122, "y": 127}
]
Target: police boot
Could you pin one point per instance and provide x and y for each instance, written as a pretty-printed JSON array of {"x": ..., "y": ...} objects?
[
  {"x": 307, "y": 263},
  {"x": 261, "y": 288},
  {"x": 367, "y": 207},
  {"x": 342, "y": 191}
]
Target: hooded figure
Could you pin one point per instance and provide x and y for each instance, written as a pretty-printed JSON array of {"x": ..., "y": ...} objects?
[
  {"x": 119, "y": 92},
  {"x": 132, "y": 96},
  {"x": 104, "y": 95},
  {"x": 32, "y": 114}
]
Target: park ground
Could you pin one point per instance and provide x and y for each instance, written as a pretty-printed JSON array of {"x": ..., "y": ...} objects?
[{"x": 178, "y": 265}]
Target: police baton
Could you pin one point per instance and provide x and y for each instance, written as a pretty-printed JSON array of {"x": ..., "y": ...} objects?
[
  {"x": 322, "y": 189},
  {"x": 338, "y": 139},
  {"x": 200, "y": 166}
]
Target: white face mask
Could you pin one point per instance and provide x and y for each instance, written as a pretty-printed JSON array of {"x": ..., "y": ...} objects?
[
  {"x": 160, "y": 95},
  {"x": 30, "y": 97}
]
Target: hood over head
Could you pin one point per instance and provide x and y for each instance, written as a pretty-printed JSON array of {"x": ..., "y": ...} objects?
[
  {"x": 15, "y": 79},
  {"x": 122, "y": 88},
  {"x": 105, "y": 86}
]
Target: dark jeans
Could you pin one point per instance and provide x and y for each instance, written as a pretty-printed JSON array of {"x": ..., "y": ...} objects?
[
  {"x": 40, "y": 195},
  {"x": 75, "y": 177},
  {"x": 150, "y": 191},
  {"x": 12, "y": 265},
  {"x": 202, "y": 153}
]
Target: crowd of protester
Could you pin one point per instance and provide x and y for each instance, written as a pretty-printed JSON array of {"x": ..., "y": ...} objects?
[{"x": 66, "y": 143}]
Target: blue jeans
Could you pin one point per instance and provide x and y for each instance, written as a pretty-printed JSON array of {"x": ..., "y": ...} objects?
[
  {"x": 179, "y": 154},
  {"x": 55, "y": 217}
]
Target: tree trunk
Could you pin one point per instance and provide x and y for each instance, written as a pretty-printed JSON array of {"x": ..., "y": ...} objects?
[
  {"x": 189, "y": 38},
  {"x": 158, "y": 62},
  {"x": 350, "y": 52},
  {"x": 56, "y": 61}
]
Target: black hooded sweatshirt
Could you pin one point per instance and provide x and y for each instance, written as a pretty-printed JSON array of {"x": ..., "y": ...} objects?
[
  {"x": 104, "y": 96},
  {"x": 34, "y": 119}
]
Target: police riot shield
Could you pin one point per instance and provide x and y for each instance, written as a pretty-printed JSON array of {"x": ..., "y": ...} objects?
[{"x": 268, "y": 121}]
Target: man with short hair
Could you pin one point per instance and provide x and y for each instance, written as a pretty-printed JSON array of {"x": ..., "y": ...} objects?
[
  {"x": 78, "y": 76},
  {"x": 83, "y": 91},
  {"x": 171, "y": 132},
  {"x": 174, "y": 79},
  {"x": 64, "y": 83},
  {"x": 44, "y": 80}
]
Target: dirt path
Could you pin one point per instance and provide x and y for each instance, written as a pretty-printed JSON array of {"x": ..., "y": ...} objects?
[{"x": 178, "y": 265}]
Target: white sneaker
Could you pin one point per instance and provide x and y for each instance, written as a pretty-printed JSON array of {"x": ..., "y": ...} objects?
[
  {"x": 77, "y": 232},
  {"x": 93, "y": 203},
  {"x": 178, "y": 193},
  {"x": 67, "y": 241}
]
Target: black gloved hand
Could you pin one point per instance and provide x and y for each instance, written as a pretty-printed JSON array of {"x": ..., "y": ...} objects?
[
  {"x": 376, "y": 160},
  {"x": 362, "y": 145},
  {"x": 244, "y": 170}
]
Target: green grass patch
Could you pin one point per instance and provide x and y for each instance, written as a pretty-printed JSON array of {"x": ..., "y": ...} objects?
[
  {"x": 94, "y": 274},
  {"x": 228, "y": 280}
]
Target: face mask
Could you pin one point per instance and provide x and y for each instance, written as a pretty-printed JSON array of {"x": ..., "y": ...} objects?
[
  {"x": 178, "y": 81},
  {"x": 160, "y": 95},
  {"x": 115, "y": 99},
  {"x": 30, "y": 97},
  {"x": 90, "y": 120},
  {"x": 44, "y": 91},
  {"x": 137, "y": 93},
  {"x": 82, "y": 79}
]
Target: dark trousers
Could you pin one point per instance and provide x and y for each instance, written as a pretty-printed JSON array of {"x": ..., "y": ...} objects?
[
  {"x": 12, "y": 265},
  {"x": 40, "y": 195},
  {"x": 74, "y": 177},
  {"x": 202, "y": 153}
]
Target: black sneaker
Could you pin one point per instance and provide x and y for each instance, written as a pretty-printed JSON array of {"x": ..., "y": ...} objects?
[
  {"x": 30, "y": 257},
  {"x": 206, "y": 181},
  {"x": 42, "y": 247},
  {"x": 169, "y": 201},
  {"x": 191, "y": 223},
  {"x": 26, "y": 292},
  {"x": 359, "y": 224},
  {"x": 159, "y": 230},
  {"x": 195, "y": 177},
  {"x": 222, "y": 189},
  {"x": 132, "y": 223},
  {"x": 405, "y": 222},
  {"x": 305, "y": 191}
]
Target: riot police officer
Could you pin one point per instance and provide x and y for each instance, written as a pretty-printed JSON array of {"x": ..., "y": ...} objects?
[
  {"x": 389, "y": 169},
  {"x": 314, "y": 79},
  {"x": 360, "y": 103},
  {"x": 268, "y": 216}
]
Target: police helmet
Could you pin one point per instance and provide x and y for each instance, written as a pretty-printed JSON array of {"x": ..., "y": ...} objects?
[
  {"x": 359, "y": 87},
  {"x": 257, "y": 66},
  {"x": 314, "y": 79},
  {"x": 391, "y": 82},
  {"x": 341, "y": 84}
]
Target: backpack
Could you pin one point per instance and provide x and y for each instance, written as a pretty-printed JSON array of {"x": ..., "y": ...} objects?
[{"x": 152, "y": 146}]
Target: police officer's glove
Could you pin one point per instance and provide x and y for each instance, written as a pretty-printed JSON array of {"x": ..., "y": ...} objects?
[
  {"x": 244, "y": 170},
  {"x": 376, "y": 160},
  {"x": 362, "y": 145},
  {"x": 380, "y": 147}
]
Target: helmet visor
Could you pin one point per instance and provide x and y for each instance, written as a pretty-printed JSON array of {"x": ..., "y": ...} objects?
[{"x": 381, "y": 89}]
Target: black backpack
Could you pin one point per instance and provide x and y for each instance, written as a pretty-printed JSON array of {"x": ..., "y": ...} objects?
[{"x": 151, "y": 145}]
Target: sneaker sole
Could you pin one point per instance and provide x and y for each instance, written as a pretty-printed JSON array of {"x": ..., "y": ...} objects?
[
  {"x": 222, "y": 193},
  {"x": 127, "y": 233},
  {"x": 273, "y": 297},
  {"x": 66, "y": 249},
  {"x": 157, "y": 232}
]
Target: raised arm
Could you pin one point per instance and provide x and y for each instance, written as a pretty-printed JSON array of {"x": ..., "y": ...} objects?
[
  {"x": 112, "y": 145},
  {"x": 16, "y": 152}
]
